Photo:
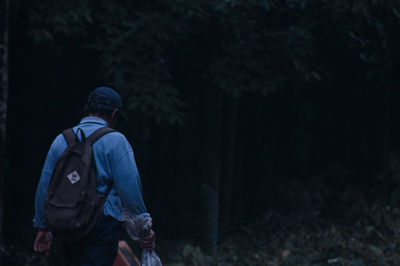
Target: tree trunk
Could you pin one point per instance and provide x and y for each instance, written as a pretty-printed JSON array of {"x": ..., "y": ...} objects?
[
  {"x": 302, "y": 134},
  {"x": 228, "y": 159},
  {"x": 386, "y": 129},
  {"x": 4, "y": 9},
  {"x": 210, "y": 164}
]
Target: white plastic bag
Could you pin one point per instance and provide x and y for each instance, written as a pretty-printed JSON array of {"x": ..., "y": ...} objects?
[
  {"x": 138, "y": 227},
  {"x": 150, "y": 258}
]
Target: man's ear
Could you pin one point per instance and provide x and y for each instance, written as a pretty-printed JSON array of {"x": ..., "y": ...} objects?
[{"x": 114, "y": 114}]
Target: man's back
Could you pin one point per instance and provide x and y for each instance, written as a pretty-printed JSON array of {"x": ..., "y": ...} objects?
[{"x": 115, "y": 163}]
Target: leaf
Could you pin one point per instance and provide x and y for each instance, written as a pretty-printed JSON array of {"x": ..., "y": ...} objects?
[
  {"x": 363, "y": 57},
  {"x": 316, "y": 75},
  {"x": 88, "y": 18},
  {"x": 396, "y": 13},
  {"x": 377, "y": 251},
  {"x": 334, "y": 260},
  {"x": 285, "y": 254},
  {"x": 357, "y": 262},
  {"x": 266, "y": 5}
]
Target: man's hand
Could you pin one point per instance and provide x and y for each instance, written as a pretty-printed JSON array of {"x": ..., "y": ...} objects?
[
  {"x": 149, "y": 242},
  {"x": 43, "y": 242}
]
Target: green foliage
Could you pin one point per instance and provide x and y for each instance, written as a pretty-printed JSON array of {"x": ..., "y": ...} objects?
[
  {"x": 246, "y": 45},
  {"x": 362, "y": 232}
]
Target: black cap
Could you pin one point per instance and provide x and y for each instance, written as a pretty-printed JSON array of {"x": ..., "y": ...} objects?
[{"x": 103, "y": 99}]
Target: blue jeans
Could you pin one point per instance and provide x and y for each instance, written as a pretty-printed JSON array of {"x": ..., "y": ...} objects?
[{"x": 99, "y": 248}]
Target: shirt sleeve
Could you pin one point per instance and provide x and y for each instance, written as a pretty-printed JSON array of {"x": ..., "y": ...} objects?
[
  {"x": 57, "y": 148},
  {"x": 127, "y": 182}
]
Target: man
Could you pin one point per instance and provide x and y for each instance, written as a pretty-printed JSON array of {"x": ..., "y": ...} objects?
[{"x": 115, "y": 164}]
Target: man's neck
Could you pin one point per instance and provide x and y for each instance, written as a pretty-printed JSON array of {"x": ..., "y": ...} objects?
[{"x": 111, "y": 123}]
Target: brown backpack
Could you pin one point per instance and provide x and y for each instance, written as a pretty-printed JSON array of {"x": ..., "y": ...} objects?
[{"x": 73, "y": 206}]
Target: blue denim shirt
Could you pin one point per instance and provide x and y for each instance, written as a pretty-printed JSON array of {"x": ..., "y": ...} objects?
[{"x": 114, "y": 162}]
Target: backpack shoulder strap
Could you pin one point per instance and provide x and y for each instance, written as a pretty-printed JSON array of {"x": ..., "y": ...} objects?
[
  {"x": 69, "y": 135},
  {"x": 98, "y": 134}
]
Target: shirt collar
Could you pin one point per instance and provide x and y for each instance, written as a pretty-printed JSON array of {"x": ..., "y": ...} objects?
[{"x": 94, "y": 119}]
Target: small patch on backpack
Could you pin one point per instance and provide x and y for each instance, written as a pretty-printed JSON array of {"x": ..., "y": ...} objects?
[{"x": 74, "y": 177}]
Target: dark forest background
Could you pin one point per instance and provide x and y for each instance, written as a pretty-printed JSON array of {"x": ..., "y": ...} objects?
[{"x": 255, "y": 114}]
